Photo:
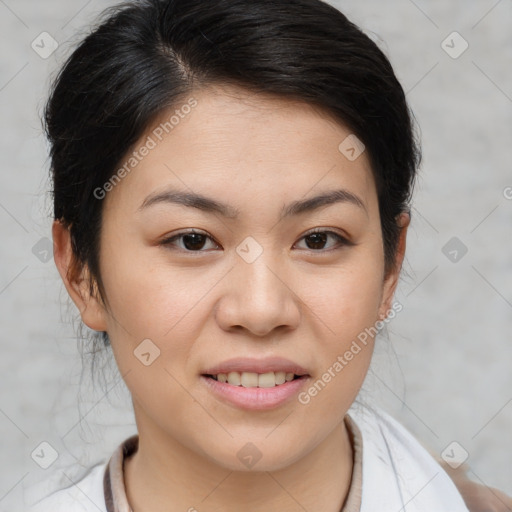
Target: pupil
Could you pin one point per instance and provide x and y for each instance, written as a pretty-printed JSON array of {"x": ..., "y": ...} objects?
[
  {"x": 317, "y": 239},
  {"x": 193, "y": 241}
]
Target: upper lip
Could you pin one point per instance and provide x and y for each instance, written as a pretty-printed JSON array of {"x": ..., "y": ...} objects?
[{"x": 247, "y": 364}]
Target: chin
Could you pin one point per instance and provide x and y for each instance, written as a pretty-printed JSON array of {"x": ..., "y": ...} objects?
[{"x": 254, "y": 457}]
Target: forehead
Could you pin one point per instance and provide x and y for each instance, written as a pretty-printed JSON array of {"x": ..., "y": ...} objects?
[{"x": 226, "y": 141}]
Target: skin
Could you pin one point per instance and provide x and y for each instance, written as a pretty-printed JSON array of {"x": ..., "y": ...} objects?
[
  {"x": 478, "y": 497},
  {"x": 257, "y": 154}
]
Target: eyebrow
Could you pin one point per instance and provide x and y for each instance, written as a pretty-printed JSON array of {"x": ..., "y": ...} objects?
[{"x": 210, "y": 205}]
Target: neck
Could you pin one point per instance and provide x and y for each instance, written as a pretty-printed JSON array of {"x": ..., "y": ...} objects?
[{"x": 164, "y": 473}]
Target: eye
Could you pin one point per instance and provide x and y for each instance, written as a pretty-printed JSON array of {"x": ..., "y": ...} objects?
[
  {"x": 316, "y": 240},
  {"x": 192, "y": 241}
]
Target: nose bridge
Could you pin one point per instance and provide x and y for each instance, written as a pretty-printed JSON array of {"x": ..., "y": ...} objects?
[
  {"x": 258, "y": 296},
  {"x": 259, "y": 272}
]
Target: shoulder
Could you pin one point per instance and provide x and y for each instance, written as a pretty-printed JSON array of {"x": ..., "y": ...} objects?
[
  {"x": 398, "y": 472},
  {"x": 84, "y": 495}
]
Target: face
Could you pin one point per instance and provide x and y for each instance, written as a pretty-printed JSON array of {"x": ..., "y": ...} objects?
[{"x": 272, "y": 282}]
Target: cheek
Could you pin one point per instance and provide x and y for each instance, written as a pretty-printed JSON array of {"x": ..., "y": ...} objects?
[
  {"x": 344, "y": 344},
  {"x": 347, "y": 298},
  {"x": 163, "y": 305},
  {"x": 347, "y": 307},
  {"x": 152, "y": 300},
  {"x": 144, "y": 291}
]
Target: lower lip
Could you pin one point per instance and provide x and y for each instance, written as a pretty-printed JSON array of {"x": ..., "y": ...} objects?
[{"x": 255, "y": 398}]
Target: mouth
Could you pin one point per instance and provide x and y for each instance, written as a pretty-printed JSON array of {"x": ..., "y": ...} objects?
[
  {"x": 254, "y": 383},
  {"x": 255, "y": 380}
]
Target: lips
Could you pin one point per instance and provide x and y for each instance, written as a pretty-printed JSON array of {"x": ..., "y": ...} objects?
[
  {"x": 255, "y": 391},
  {"x": 256, "y": 373}
]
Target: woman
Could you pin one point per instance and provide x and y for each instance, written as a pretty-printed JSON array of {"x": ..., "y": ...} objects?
[{"x": 231, "y": 199}]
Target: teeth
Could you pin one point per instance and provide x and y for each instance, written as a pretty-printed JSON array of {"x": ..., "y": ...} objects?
[
  {"x": 281, "y": 377},
  {"x": 234, "y": 378},
  {"x": 249, "y": 380},
  {"x": 253, "y": 380},
  {"x": 266, "y": 380}
]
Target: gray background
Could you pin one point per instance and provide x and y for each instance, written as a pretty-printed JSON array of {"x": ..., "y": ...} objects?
[{"x": 444, "y": 372}]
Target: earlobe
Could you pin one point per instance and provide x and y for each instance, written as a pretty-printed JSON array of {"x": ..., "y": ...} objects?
[
  {"x": 391, "y": 281},
  {"x": 76, "y": 280}
]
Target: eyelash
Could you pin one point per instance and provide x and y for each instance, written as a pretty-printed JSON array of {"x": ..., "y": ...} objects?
[{"x": 342, "y": 241}]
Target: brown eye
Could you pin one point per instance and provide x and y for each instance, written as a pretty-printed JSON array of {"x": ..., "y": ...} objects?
[
  {"x": 317, "y": 240},
  {"x": 194, "y": 241},
  {"x": 191, "y": 241}
]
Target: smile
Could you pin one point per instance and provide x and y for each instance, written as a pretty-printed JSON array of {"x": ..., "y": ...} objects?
[{"x": 255, "y": 380}]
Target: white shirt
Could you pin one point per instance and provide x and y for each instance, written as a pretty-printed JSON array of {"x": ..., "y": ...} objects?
[{"x": 398, "y": 475}]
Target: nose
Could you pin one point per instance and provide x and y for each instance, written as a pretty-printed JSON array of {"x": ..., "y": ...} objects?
[{"x": 259, "y": 297}]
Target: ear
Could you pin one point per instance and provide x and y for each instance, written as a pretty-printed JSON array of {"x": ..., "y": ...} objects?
[
  {"x": 91, "y": 307},
  {"x": 391, "y": 280}
]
